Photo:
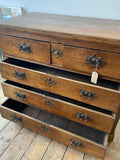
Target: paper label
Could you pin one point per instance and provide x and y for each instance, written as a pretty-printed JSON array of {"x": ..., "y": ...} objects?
[{"x": 94, "y": 77}]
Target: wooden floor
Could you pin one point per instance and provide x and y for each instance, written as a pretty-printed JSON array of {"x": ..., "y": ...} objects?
[{"x": 19, "y": 143}]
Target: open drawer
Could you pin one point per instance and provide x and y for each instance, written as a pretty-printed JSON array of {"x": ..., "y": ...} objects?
[
  {"x": 86, "y": 114},
  {"x": 72, "y": 85},
  {"x": 78, "y": 136}
]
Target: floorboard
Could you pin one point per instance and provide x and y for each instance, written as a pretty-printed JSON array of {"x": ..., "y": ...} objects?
[
  {"x": 55, "y": 151},
  {"x": 37, "y": 148},
  {"x": 19, "y": 145},
  {"x": 72, "y": 154},
  {"x": 3, "y": 123},
  {"x": 8, "y": 135}
]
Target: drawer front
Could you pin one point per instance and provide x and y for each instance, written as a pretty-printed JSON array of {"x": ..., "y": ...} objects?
[
  {"x": 85, "y": 60},
  {"x": 88, "y": 117},
  {"x": 26, "y": 49},
  {"x": 56, "y": 133},
  {"x": 87, "y": 93}
]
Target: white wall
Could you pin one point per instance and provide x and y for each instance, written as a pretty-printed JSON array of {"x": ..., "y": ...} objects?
[{"x": 89, "y": 8}]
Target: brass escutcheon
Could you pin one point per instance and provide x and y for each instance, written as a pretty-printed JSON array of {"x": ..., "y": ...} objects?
[
  {"x": 49, "y": 103},
  {"x": 50, "y": 82},
  {"x": 57, "y": 52}
]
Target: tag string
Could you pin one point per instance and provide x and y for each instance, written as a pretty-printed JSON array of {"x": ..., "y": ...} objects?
[{"x": 96, "y": 69}]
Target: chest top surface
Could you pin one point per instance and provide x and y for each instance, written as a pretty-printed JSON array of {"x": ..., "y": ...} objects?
[{"x": 94, "y": 28}]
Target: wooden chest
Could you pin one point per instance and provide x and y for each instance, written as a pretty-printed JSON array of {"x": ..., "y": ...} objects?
[{"x": 47, "y": 63}]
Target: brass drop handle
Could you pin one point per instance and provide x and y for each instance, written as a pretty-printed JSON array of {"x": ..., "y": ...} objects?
[
  {"x": 86, "y": 95},
  {"x": 75, "y": 143},
  {"x": 94, "y": 61},
  {"x": 15, "y": 118},
  {"x": 50, "y": 81},
  {"x": 44, "y": 128},
  {"x": 20, "y": 96},
  {"x": 19, "y": 75},
  {"x": 49, "y": 103},
  {"x": 83, "y": 117},
  {"x": 24, "y": 48},
  {"x": 57, "y": 52}
]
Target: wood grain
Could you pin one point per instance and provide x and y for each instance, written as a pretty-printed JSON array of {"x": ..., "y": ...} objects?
[
  {"x": 98, "y": 120},
  {"x": 88, "y": 157},
  {"x": 82, "y": 28},
  {"x": 72, "y": 154},
  {"x": 37, "y": 148},
  {"x": 55, "y": 151},
  {"x": 113, "y": 149},
  {"x": 25, "y": 134},
  {"x": 56, "y": 133},
  {"x": 40, "y": 51},
  {"x": 7, "y": 135},
  {"x": 100, "y": 35},
  {"x": 111, "y": 135},
  {"x": 3, "y": 123},
  {"x": 64, "y": 86},
  {"x": 75, "y": 59}
]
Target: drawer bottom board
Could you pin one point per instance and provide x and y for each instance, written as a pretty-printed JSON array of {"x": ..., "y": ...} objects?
[{"x": 76, "y": 135}]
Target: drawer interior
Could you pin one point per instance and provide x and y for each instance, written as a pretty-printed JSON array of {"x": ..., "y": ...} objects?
[
  {"x": 88, "y": 106},
  {"x": 62, "y": 73},
  {"x": 60, "y": 122}
]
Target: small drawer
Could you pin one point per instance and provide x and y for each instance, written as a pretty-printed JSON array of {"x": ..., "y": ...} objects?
[
  {"x": 32, "y": 50},
  {"x": 85, "y": 61},
  {"x": 75, "y": 135},
  {"x": 91, "y": 116},
  {"x": 75, "y": 86}
]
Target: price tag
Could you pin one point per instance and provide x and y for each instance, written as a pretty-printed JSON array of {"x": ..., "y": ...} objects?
[{"x": 94, "y": 77}]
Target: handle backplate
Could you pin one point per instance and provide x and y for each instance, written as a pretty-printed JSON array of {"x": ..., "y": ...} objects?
[
  {"x": 49, "y": 103},
  {"x": 86, "y": 95},
  {"x": 50, "y": 82},
  {"x": 19, "y": 75},
  {"x": 20, "y": 96},
  {"x": 24, "y": 48},
  {"x": 44, "y": 128},
  {"x": 83, "y": 117},
  {"x": 16, "y": 118},
  {"x": 94, "y": 61},
  {"x": 75, "y": 143}
]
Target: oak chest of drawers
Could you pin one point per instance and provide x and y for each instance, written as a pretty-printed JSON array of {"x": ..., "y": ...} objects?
[{"x": 47, "y": 63}]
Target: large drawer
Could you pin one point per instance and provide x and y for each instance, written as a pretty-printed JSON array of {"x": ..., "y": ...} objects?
[
  {"x": 32, "y": 50},
  {"x": 75, "y": 86},
  {"x": 84, "y": 60},
  {"x": 78, "y": 136},
  {"x": 76, "y": 111}
]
